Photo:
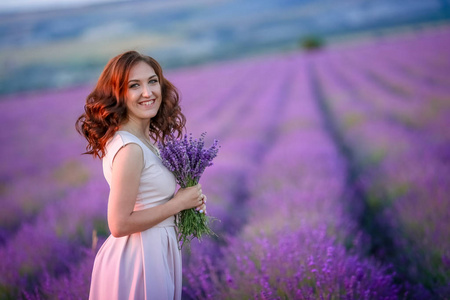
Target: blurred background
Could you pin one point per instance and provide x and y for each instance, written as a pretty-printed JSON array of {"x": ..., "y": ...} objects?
[
  {"x": 57, "y": 44},
  {"x": 333, "y": 176}
]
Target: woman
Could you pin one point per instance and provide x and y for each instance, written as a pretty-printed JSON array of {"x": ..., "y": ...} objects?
[{"x": 131, "y": 107}]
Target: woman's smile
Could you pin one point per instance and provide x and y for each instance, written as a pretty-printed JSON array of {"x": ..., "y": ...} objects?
[{"x": 147, "y": 103}]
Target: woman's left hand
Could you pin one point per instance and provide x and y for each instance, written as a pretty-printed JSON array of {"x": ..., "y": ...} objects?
[{"x": 202, "y": 207}]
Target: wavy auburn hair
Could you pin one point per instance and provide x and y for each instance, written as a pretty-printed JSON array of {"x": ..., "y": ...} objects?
[{"x": 105, "y": 108}]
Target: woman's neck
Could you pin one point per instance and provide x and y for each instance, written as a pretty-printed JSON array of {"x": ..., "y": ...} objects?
[{"x": 141, "y": 130}]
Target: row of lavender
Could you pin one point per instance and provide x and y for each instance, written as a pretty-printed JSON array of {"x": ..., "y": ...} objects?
[
  {"x": 293, "y": 243},
  {"x": 392, "y": 108},
  {"x": 51, "y": 196},
  {"x": 57, "y": 226},
  {"x": 278, "y": 184}
]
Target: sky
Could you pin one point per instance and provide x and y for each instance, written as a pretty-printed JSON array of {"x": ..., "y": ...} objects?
[{"x": 35, "y": 5}]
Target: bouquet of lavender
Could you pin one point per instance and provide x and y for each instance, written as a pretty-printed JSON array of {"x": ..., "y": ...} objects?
[{"x": 187, "y": 159}]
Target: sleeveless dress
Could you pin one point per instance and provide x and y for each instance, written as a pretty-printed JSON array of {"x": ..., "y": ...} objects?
[{"x": 147, "y": 264}]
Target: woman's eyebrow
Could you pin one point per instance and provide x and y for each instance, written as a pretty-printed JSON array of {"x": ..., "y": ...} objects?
[{"x": 137, "y": 80}]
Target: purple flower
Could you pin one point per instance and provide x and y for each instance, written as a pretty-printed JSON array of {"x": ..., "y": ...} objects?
[{"x": 187, "y": 159}]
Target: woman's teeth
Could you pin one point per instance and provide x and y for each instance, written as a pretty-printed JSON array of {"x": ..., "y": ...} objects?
[{"x": 149, "y": 102}]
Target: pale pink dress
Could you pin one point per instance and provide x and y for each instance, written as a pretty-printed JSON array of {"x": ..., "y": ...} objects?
[{"x": 144, "y": 265}]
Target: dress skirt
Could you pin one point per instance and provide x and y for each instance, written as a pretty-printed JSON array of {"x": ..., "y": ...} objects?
[{"x": 144, "y": 265}]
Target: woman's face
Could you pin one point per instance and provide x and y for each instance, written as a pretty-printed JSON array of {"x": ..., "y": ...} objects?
[{"x": 143, "y": 96}]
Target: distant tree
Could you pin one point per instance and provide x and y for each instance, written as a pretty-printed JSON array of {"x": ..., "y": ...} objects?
[{"x": 311, "y": 42}]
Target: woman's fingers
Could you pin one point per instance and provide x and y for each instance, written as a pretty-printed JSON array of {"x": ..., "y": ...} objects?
[
  {"x": 202, "y": 198},
  {"x": 201, "y": 208}
]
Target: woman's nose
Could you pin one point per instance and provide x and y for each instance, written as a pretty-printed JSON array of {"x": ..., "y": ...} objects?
[{"x": 146, "y": 91}]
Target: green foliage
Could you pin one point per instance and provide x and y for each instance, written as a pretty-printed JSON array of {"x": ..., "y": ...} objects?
[
  {"x": 311, "y": 42},
  {"x": 101, "y": 227},
  {"x": 72, "y": 173},
  {"x": 352, "y": 120}
]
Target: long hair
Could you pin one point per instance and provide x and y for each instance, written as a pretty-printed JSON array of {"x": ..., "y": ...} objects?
[{"x": 105, "y": 108}]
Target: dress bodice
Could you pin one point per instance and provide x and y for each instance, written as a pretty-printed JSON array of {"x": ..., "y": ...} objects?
[{"x": 157, "y": 184}]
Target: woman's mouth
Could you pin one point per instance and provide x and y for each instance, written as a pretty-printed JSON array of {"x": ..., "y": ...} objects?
[{"x": 147, "y": 103}]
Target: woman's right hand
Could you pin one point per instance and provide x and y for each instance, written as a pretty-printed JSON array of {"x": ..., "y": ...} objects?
[{"x": 189, "y": 197}]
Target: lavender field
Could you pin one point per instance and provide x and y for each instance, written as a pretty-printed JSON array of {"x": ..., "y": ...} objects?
[{"x": 332, "y": 180}]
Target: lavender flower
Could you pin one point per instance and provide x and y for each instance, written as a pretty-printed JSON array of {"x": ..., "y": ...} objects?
[
  {"x": 280, "y": 194},
  {"x": 187, "y": 159}
]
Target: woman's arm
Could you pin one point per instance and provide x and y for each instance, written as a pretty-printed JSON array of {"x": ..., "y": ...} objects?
[{"x": 126, "y": 172}]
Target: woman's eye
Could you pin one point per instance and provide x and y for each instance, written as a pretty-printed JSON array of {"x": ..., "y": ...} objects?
[
  {"x": 133, "y": 86},
  {"x": 153, "y": 81}
]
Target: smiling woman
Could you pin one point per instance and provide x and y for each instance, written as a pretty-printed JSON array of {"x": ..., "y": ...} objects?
[
  {"x": 132, "y": 107},
  {"x": 124, "y": 79}
]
